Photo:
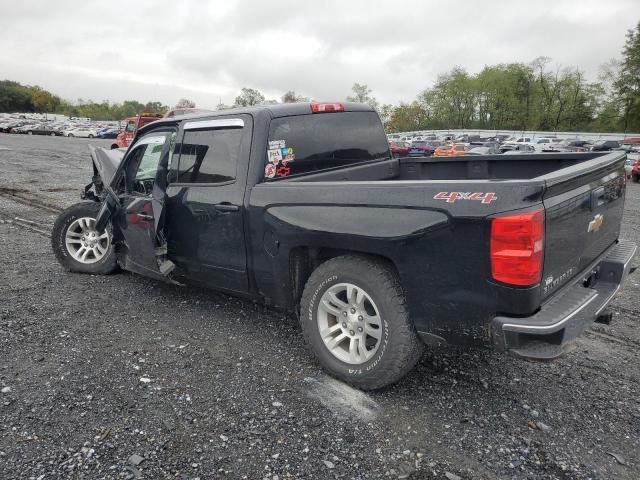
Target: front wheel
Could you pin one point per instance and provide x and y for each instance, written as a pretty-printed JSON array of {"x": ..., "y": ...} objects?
[
  {"x": 355, "y": 319},
  {"x": 90, "y": 136},
  {"x": 76, "y": 243},
  {"x": 70, "y": 135}
]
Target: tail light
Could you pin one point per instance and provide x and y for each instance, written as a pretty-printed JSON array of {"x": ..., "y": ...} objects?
[
  {"x": 517, "y": 248},
  {"x": 327, "y": 107}
]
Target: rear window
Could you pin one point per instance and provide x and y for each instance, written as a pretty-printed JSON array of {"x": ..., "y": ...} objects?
[{"x": 310, "y": 143}]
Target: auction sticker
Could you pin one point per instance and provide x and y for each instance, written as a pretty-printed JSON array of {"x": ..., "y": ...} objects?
[
  {"x": 275, "y": 155},
  {"x": 270, "y": 170},
  {"x": 273, "y": 144}
]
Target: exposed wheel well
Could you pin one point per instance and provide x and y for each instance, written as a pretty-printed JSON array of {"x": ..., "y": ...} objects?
[{"x": 304, "y": 260}]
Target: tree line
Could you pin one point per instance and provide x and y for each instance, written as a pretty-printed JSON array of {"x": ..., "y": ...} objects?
[{"x": 512, "y": 96}]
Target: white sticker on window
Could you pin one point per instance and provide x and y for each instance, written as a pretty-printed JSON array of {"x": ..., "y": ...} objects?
[
  {"x": 273, "y": 144},
  {"x": 275, "y": 156}
]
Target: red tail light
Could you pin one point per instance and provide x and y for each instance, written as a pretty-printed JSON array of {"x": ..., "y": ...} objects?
[
  {"x": 517, "y": 248},
  {"x": 327, "y": 107}
]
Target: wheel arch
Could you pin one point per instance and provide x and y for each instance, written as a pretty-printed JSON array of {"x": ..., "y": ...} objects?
[{"x": 304, "y": 260}]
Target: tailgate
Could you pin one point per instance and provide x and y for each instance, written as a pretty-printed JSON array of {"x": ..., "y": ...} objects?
[{"x": 583, "y": 205}]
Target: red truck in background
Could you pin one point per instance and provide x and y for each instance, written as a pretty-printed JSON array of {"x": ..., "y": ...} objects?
[{"x": 132, "y": 124}]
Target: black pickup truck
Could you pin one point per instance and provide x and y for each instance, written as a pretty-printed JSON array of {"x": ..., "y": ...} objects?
[{"x": 302, "y": 206}]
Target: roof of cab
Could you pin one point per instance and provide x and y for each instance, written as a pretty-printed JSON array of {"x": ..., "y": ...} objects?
[{"x": 278, "y": 110}]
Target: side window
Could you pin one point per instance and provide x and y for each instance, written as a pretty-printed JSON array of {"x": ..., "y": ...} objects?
[
  {"x": 143, "y": 161},
  {"x": 131, "y": 127},
  {"x": 209, "y": 155},
  {"x": 150, "y": 153}
]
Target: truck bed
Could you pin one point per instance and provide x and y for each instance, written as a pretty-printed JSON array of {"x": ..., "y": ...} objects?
[{"x": 489, "y": 167}]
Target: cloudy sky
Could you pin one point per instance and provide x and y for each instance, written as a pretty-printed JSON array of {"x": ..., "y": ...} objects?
[{"x": 208, "y": 50}]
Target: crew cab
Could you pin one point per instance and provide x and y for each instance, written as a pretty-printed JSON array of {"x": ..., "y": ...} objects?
[
  {"x": 302, "y": 207},
  {"x": 132, "y": 125}
]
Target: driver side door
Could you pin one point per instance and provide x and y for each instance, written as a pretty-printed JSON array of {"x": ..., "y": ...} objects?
[{"x": 141, "y": 209}]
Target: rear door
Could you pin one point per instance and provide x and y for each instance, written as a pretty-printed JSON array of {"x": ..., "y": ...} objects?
[
  {"x": 205, "y": 208},
  {"x": 583, "y": 207}
]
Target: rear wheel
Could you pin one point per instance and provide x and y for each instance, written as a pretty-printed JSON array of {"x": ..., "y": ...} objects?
[
  {"x": 29, "y": 132},
  {"x": 52, "y": 134},
  {"x": 90, "y": 136},
  {"x": 354, "y": 317},
  {"x": 635, "y": 178},
  {"x": 70, "y": 135},
  {"x": 76, "y": 243}
]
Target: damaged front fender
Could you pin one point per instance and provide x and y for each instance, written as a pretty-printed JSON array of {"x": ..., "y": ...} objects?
[{"x": 105, "y": 163}]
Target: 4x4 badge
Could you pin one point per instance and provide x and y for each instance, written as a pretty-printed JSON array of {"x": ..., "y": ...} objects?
[{"x": 596, "y": 223}]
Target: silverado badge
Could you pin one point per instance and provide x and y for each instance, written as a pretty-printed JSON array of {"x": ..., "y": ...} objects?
[{"x": 596, "y": 223}]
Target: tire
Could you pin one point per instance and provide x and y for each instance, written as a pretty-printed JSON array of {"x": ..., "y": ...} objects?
[
  {"x": 29, "y": 132},
  {"x": 114, "y": 146},
  {"x": 90, "y": 136},
  {"x": 398, "y": 347},
  {"x": 70, "y": 135},
  {"x": 68, "y": 237},
  {"x": 52, "y": 134},
  {"x": 635, "y": 178}
]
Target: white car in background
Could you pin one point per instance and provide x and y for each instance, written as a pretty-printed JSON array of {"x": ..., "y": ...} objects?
[
  {"x": 543, "y": 143},
  {"x": 82, "y": 132}
]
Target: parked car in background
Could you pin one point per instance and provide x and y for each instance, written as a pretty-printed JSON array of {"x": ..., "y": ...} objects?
[
  {"x": 489, "y": 148},
  {"x": 573, "y": 145},
  {"x": 82, "y": 132},
  {"x": 22, "y": 128},
  {"x": 517, "y": 140},
  {"x": 399, "y": 149},
  {"x": 635, "y": 171},
  {"x": 421, "y": 149},
  {"x": 108, "y": 133},
  {"x": 518, "y": 148},
  {"x": 605, "y": 145},
  {"x": 539, "y": 144},
  {"x": 43, "y": 130},
  {"x": 451, "y": 150},
  {"x": 11, "y": 124}
]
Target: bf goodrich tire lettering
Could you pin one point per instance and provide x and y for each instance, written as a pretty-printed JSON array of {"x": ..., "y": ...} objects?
[{"x": 371, "y": 361}]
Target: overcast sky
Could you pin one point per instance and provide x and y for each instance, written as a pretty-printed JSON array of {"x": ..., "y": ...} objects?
[{"x": 208, "y": 50}]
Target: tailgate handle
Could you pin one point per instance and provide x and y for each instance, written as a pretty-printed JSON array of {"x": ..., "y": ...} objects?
[{"x": 597, "y": 197}]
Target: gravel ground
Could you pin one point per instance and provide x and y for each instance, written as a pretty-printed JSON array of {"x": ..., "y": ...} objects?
[{"x": 124, "y": 377}]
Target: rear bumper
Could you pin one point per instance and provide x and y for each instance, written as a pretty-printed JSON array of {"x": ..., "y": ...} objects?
[{"x": 546, "y": 335}]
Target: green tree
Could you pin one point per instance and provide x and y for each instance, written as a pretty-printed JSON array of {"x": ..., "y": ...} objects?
[
  {"x": 185, "y": 103},
  {"x": 43, "y": 101},
  {"x": 627, "y": 85},
  {"x": 362, "y": 94},
  {"x": 249, "y": 97},
  {"x": 291, "y": 97}
]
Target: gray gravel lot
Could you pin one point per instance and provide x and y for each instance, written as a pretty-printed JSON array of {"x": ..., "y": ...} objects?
[{"x": 124, "y": 377}]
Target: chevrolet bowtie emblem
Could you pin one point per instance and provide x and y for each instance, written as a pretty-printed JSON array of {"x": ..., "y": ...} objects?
[{"x": 596, "y": 223}]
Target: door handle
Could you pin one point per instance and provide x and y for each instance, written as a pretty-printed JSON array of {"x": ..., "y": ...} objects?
[
  {"x": 226, "y": 207},
  {"x": 144, "y": 216}
]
